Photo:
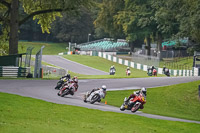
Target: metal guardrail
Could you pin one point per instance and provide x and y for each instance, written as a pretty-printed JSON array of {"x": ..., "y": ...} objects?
[{"x": 11, "y": 71}]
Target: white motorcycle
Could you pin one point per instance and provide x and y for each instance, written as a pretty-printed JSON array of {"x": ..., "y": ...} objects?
[{"x": 95, "y": 96}]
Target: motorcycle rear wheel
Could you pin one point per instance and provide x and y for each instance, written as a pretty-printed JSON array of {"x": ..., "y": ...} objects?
[
  {"x": 135, "y": 108},
  {"x": 95, "y": 98}
]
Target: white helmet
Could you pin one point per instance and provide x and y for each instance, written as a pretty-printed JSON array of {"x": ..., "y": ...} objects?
[
  {"x": 144, "y": 90},
  {"x": 103, "y": 87}
]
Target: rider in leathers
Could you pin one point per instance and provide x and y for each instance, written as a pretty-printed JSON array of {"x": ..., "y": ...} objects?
[
  {"x": 136, "y": 93},
  {"x": 96, "y": 89},
  {"x": 74, "y": 85}
]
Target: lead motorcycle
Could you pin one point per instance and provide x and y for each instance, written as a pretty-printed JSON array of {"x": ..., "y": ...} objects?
[
  {"x": 61, "y": 82},
  {"x": 95, "y": 96},
  {"x": 134, "y": 103}
]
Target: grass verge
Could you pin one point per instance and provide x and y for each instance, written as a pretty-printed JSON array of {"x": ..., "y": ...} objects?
[
  {"x": 104, "y": 65},
  {"x": 50, "y": 48},
  {"x": 22, "y": 114},
  {"x": 179, "y": 100}
]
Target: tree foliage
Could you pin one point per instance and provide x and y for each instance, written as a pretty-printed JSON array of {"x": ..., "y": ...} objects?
[
  {"x": 45, "y": 11},
  {"x": 155, "y": 19},
  {"x": 73, "y": 28},
  {"x": 105, "y": 20}
]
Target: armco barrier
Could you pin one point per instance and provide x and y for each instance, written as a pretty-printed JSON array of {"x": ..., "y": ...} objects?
[
  {"x": 193, "y": 72},
  {"x": 11, "y": 71}
]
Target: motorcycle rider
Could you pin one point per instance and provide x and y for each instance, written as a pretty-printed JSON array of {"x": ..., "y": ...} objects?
[
  {"x": 136, "y": 93},
  {"x": 63, "y": 81},
  {"x": 103, "y": 87},
  {"x": 165, "y": 70},
  {"x": 152, "y": 68},
  {"x": 67, "y": 76},
  {"x": 74, "y": 85},
  {"x": 112, "y": 70},
  {"x": 128, "y": 71}
]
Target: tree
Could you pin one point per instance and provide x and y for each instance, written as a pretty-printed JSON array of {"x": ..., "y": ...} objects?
[
  {"x": 45, "y": 11},
  {"x": 189, "y": 19},
  {"x": 136, "y": 20},
  {"x": 73, "y": 28},
  {"x": 178, "y": 19},
  {"x": 105, "y": 20}
]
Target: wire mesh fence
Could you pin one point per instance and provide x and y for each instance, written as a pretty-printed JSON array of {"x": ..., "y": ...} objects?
[{"x": 145, "y": 60}]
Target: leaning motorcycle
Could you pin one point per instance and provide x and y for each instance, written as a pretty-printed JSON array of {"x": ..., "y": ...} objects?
[
  {"x": 65, "y": 90},
  {"x": 134, "y": 103},
  {"x": 61, "y": 82},
  {"x": 166, "y": 72},
  {"x": 95, "y": 96}
]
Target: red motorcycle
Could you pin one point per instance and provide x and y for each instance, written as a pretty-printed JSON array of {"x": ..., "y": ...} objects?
[
  {"x": 134, "y": 103},
  {"x": 154, "y": 72},
  {"x": 66, "y": 89}
]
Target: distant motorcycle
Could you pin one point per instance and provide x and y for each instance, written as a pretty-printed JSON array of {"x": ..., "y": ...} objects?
[
  {"x": 66, "y": 90},
  {"x": 112, "y": 71},
  {"x": 149, "y": 72},
  {"x": 134, "y": 103},
  {"x": 128, "y": 72},
  {"x": 154, "y": 72},
  {"x": 95, "y": 96},
  {"x": 166, "y": 72},
  {"x": 61, "y": 82}
]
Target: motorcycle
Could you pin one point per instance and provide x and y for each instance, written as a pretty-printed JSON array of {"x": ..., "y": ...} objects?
[
  {"x": 154, "y": 72},
  {"x": 61, "y": 82},
  {"x": 166, "y": 72},
  {"x": 66, "y": 89},
  {"x": 149, "y": 72},
  {"x": 134, "y": 103},
  {"x": 112, "y": 71},
  {"x": 95, "y": 96},
  {"x": 128, "y": 72}
]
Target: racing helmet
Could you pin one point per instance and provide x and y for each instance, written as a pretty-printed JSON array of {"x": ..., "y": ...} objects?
[
  {"x": 144, "y": 90},
  {"x": 68, "y": 76},
  {"x": 75, "y": 79},
  {"x": 103, "y": 87}
]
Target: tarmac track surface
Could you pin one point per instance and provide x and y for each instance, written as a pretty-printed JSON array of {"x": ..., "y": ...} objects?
[
  {"x": 44, "y": 90},
  {"x": 72, "y": 66}
]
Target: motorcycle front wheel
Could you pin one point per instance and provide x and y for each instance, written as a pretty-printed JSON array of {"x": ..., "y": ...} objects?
[
  {"x": 122, "y": 108},
  {"x": 95, "y": 98},
  {"x": 65, "y": 92}
]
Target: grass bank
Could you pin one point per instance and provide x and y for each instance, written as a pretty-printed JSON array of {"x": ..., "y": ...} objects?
[
  {"x": 50, "y": 48},
  {"x": 179, "y": 100},
  {"x": 104, "y": 65},
  {"x": 22, "y": 114}
]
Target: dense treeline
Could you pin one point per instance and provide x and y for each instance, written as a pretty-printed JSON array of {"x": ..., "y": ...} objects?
[
  {"x": 151, "y": 20},
  {"x": 133, "y": 20}
]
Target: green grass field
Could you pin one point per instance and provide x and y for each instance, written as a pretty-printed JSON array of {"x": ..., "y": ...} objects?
[
  {"x": 179, "y": 101},
  {"x": 50, "y": 48},
  {"x": 178, "y": 63},
  {"x": 22, "y": 114},
  {"x": 104, "y": 65}
]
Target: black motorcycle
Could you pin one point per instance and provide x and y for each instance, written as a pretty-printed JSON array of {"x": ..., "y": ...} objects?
[
  {"x": 61, "y": 82},
  {"x": 166, "y": 72}
]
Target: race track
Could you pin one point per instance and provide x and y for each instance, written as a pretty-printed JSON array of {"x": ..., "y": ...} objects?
[
  {"x": 44, "y": 90},
  {"x": 72, "y": 66}
]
